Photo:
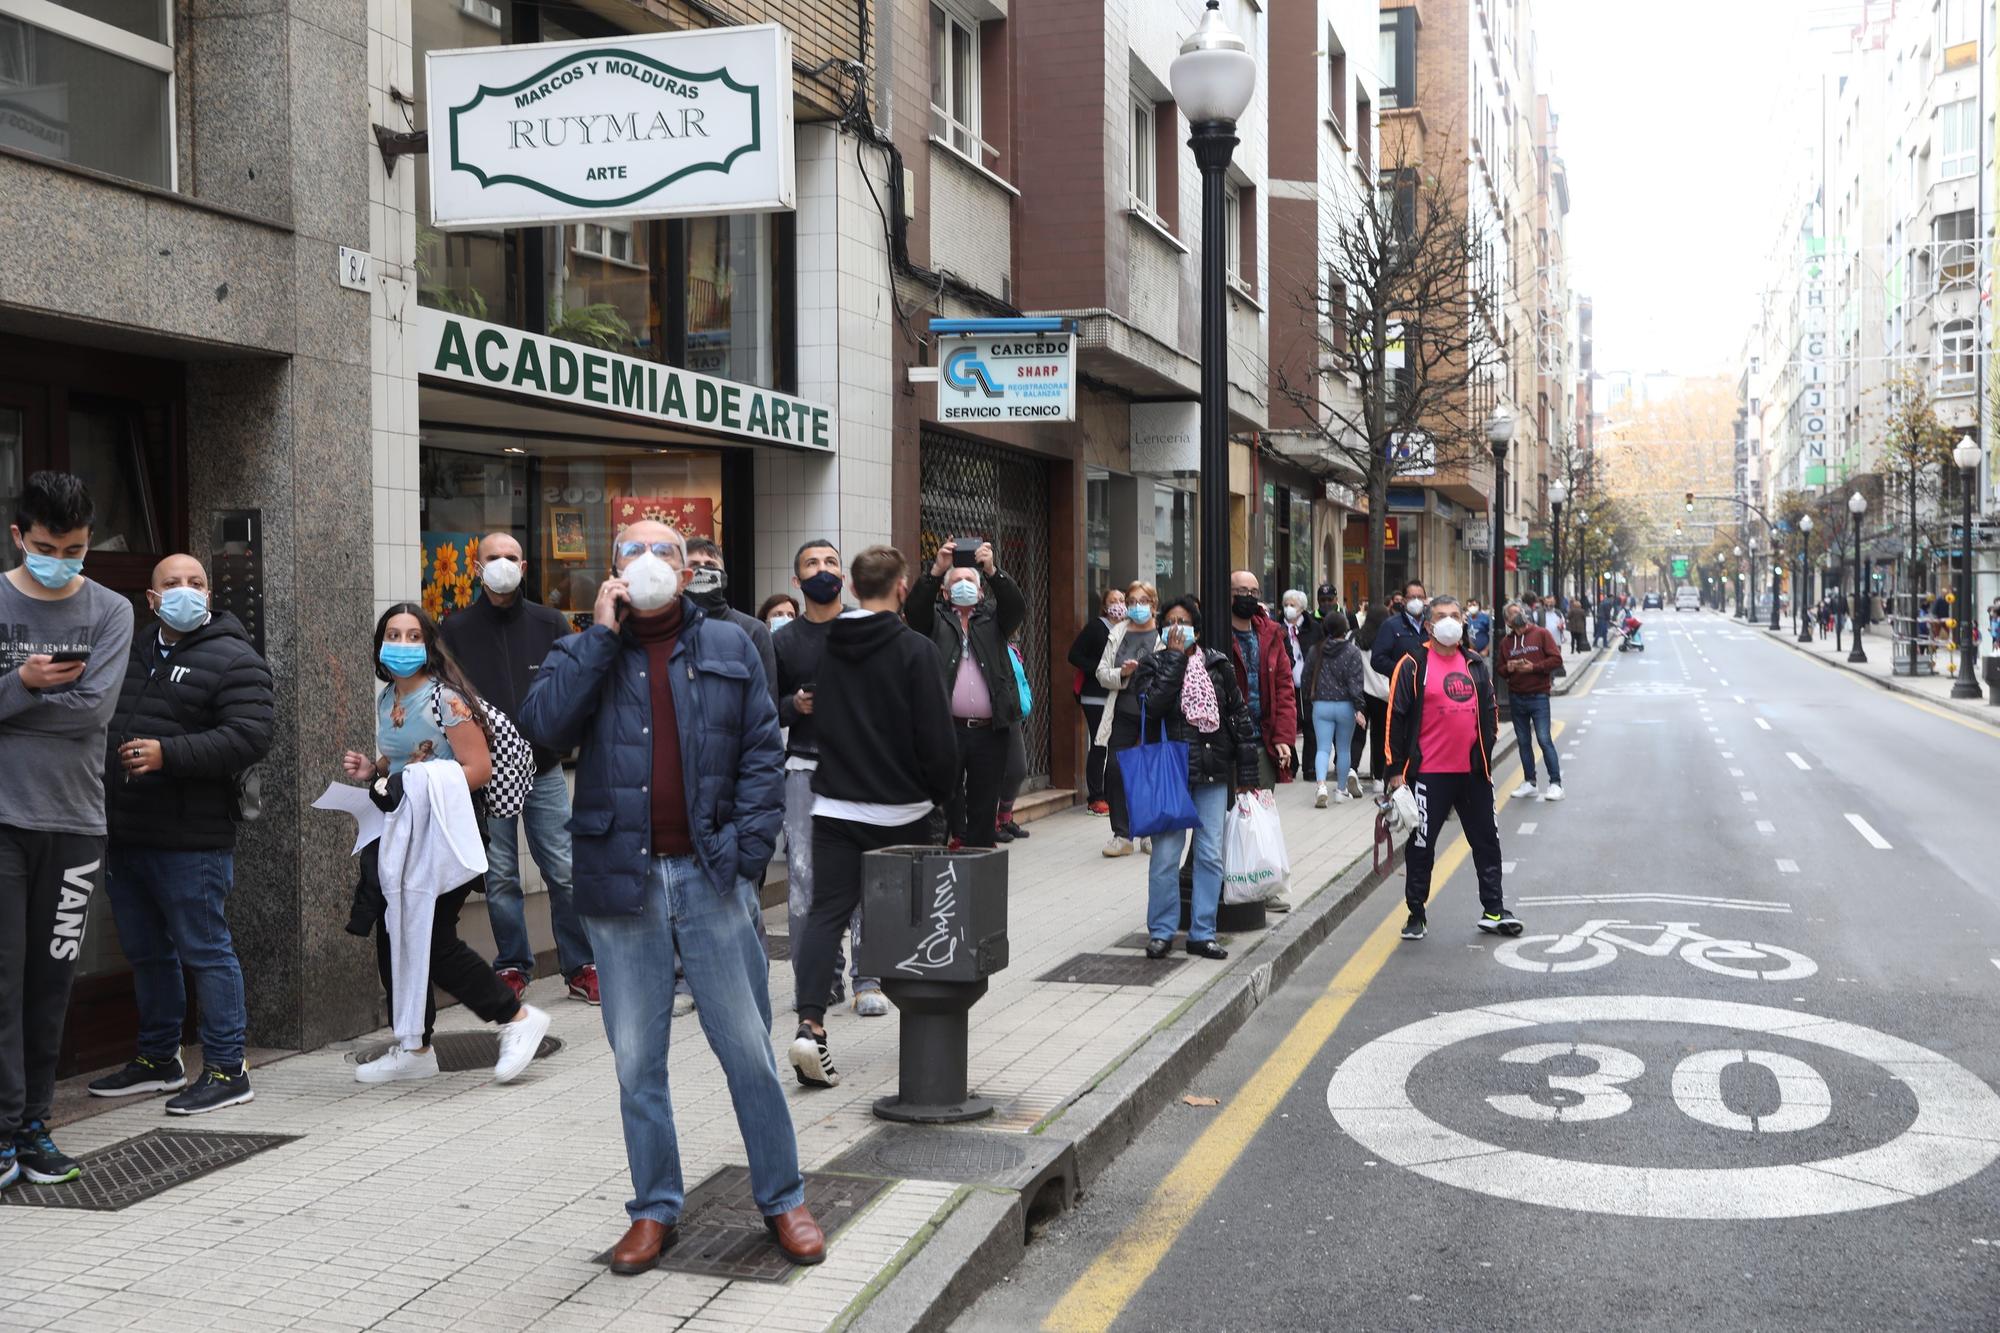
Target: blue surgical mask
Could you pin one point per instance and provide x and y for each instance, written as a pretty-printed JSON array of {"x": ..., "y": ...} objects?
[
  {"x": 965, "y": 593},
  {"x": 1139, "y": 614},
  {"x": 403, "y": 660},
  {"x": 183, "y": 609},
  {"x": 51, "y": 572}
]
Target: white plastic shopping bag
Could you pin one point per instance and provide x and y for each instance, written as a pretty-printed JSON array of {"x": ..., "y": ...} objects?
[{"x": 1254, "y": 863}]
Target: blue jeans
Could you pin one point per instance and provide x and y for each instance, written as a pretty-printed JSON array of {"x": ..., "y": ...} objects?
[
  {"x": 1163, "y": 874},
  {"x": 728, "y": 974},
  {"x": 546, "y": 819},
  {"x": 1333, "y": 725},
  {"x": 168, "y": 906},
  {"x": 1533, "y": 710}
]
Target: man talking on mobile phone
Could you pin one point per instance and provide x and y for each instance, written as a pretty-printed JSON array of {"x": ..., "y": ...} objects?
[{"x": 63, "y": 643}]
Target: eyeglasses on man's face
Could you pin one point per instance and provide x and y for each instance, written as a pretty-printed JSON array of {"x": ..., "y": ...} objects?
[{"x": 668, "y": 551}]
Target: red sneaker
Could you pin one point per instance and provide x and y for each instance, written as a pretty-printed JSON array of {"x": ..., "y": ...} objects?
[
  {"x": 514, "y": 979},
  {"x": 1100, "y": 807},
  {"x": 583, "y": 986}
]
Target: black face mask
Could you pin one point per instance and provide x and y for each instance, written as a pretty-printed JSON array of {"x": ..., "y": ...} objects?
[
  {"x": 1244, "y": 605},
  {"x": 708, "y": 588},
  {"x": 822, "y": 588}
]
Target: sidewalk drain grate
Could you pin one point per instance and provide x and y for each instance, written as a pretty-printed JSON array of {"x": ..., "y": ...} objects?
[
  {"x": 1113, "y": 969},
  {"x": 721, "y": 1233},
  {"x": 458, "y": 1052},
  {"x": 138, "y": 1168}
]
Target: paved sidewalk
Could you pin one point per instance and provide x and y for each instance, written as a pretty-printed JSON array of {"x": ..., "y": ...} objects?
[
  {"x": 453, "y": 1203},
  {"x": 1936, "y": 689}
]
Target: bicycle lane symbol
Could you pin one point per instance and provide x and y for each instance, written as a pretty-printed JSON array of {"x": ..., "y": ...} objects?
[{"x": 1597, "y": 943}]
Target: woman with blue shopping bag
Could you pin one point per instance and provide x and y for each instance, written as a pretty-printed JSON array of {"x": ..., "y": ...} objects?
[
  {"x": 1186, "y": 781},
  {"x": 1005, "y": 828}
]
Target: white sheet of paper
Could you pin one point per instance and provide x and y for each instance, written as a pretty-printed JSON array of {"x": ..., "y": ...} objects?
[{"x": 354, "y": 801}]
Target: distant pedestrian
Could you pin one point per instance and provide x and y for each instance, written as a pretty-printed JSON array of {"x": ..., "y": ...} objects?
[
  {"x": 64, "y": 640},
  {"x": 1129, "y": 643},
  {"x": 500, "y": 642},
  {"x": 708, "y": 588},
  {"x": 1478, "y": 628},
  {"x": 969, "y": 612},
  {"x": 1336, "y": 692},
  {"x": 801, "y": 649},
  {"x": 1606, "y": 607},
  {"x": 195, "y": 712},
  {"x": 1005, "y": 827},
  {"x": 889, "y": 756},
  {"x": 1377, "y": 710},
  {"x": 1579, "y": 628},
  {"x": 1443, "y": 724},
  {"x": 1528, "y": 658},
  {"x": 1263, "y": 669},
  {"x": 1084, "y": 652},
  {"x": 1193, "y": 690},
  {"x": 1328, "y": 597},
  {"x": 679, "y": 798},
  {"x": 779, "y": 610},
  {"x": 1302, "y": 633},
  {"x": 427, "y": 713}
]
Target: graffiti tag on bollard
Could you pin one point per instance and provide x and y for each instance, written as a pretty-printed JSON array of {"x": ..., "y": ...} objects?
[{"x": 939, "y": 949}]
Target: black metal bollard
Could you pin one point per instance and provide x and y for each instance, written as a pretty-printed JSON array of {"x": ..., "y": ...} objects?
[
  {"x": 1992, "y": 666},
  {"x": 933, "y": 928}
]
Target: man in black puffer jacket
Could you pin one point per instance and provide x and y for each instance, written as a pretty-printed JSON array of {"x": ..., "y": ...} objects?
[{"x": 195, "y": 711}]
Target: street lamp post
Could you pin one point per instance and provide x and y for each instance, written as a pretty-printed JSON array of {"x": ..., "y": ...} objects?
[
  {"x": 1738, "y": 572},
  {"x": 1557, "y": 494},
  {"x": 1499, "y": 432},
  {"x": 1799, "y": 611},
  {"x": 1966, "y": 455},
  {"x": 1213, "y": 79},
  {"x": 1777, "y": 570},
  {"x": 1857, "y": 505},
  {"x": 1750, "y": 611}
]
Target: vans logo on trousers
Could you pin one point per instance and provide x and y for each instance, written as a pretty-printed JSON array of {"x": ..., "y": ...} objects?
[{"x": 68, "y": 941}]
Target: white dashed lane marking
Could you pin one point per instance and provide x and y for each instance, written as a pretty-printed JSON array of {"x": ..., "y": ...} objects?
[
  {"x": 1748, "y": 796},
  {"x": 1788, "y": 867},
  {"x": 1797, "y": 762},
  {"x": 1867, "y": 830},
  {"x": 1762, "y": 723},
  {"x": 1766, "y": 826},
  {"x": 1528, "y": 830}
]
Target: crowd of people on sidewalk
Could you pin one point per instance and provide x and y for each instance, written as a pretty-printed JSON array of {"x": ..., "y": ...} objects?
[{"x": 700, "y": 738}]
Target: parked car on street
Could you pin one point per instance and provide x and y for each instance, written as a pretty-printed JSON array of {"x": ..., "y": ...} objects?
[
  {"x": 1651, "y": 602},
  {"x": 1687, "y": 599}
]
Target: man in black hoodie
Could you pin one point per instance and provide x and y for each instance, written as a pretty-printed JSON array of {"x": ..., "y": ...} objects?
[
  {"x": 195, "y": 711},
  {"x": 888, "y": 757}
]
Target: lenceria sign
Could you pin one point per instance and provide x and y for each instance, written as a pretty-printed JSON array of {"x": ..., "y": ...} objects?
[
  {"x": 669, "y": 124},
  {"x": 1006, "y": 376}
]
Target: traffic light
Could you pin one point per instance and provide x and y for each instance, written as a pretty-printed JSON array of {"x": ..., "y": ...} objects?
[{"x": 1690, "y": 502}]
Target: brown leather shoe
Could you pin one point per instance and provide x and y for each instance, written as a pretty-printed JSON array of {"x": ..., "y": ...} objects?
[
  {"x": 798, "y": 1236},
  {"x": 641, "y": 1247}
]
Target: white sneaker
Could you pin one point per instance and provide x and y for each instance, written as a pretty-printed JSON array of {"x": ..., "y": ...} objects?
[
  {"x": 397, "y": 1066},
  {"x": 1523, "y": 791},
  {"x": 871, "y": 1003},
  {"x": 1146, "y": 846},
  {"x": 1118, "y": 847},
  {"x": 1380, "y": 786},
  {"x": 1319, "y": 797},
  {"x": 1354, "y": 785},
  {"x": 683, "y": 1004},
  {"x": 1555, "y": 792},
  {"x": 1340, "y": 796},
  {"x": 519, "y": 1040}
]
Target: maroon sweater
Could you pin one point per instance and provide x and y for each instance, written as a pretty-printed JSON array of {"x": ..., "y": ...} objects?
[
  {"x": 657, "y": 635},
  {"x": 1540, "y": 652}
]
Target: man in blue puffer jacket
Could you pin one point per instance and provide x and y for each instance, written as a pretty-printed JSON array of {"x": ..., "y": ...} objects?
[{"x": 679, "y": 798}]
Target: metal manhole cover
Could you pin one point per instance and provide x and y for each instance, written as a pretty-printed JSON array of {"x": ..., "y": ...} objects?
[
  {"x": 778, "y": 947},
  {"x": 458, "y": 1052},
  {"x": 926, "y": 1153},
  {"x": 138, "y": 1168},
  {"x": 1138, "y": 939},
  {"x": 1113, "y": 969},
  {"x": 721, "y": 1233}
]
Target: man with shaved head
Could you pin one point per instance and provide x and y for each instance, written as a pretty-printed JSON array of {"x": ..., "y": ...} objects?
[
  {"x": 195, "y": 714},
  {"x": 500, "y": 642}
]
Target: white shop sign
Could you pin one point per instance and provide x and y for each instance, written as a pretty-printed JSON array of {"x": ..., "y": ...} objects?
[
  {"x": 1166, "y": 438},
  {"x": 1007, "y": 377},
  {"x": 664, "y": 125}
]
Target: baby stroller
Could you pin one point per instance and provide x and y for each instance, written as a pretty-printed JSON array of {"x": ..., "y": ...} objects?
[{"x": 1630, "y": 638}]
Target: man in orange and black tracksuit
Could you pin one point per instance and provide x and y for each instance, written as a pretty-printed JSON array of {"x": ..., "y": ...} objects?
[{"x": 1443, "y": 723}]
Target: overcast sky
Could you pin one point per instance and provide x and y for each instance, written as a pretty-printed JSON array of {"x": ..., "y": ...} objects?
[{"x": 1674, "y": 119}]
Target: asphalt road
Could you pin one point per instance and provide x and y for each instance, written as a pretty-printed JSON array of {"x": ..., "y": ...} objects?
[{"x": 1654, "y": 1124}]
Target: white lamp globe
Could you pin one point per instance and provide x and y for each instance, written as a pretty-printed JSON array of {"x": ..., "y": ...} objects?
[
  {"x": 1857, "y": 503},
  {"x": 1215, "y": 75},
  {"x": 1966, "y": 455},
  {"x": 1558, "y": 493},
  {"x": 1806, "y": 524}
]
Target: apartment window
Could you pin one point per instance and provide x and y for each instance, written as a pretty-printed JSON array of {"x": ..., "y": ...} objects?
[
  {"x": 1958, "y": 22},
  {"x": 955, "y": 81},
  {"x": 1957, "y": 257},
  {"x": 1399, "y": 58},
  {"x": 1957, "y": 350},
  {"x": 1145, "y": 184},
  {"x": 1364, "y": 132},
  {"x": 1336, "y": 86},
  {"x": 1232, "y": 231},
  {"x": 95, "y": 92},
  {"x": 1339, "y": 314},
  {"x": 605, "y": 240},
  {"x": 1958, "y": 134}
]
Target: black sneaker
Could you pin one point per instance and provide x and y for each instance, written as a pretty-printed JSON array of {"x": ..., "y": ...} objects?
[
  {"x": 810, "y": 1059},
  {"x": 1413, "y": 929},
  {"x": 1500, "y": 923},
  {"x": 10, "y": 1166},
  {"x": 216, "y": 1089},
  {"x": 41, "y": 1161},
  {"x": 143, "y": 1075}
]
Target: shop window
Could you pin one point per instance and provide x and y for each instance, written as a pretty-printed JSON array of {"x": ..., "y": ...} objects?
[
  {"x": 1174, "y": 514},
  {"x": 90, "y": 82},
  {"x": 563, "y": 501},
  {"x": 1097, "y": 536}
]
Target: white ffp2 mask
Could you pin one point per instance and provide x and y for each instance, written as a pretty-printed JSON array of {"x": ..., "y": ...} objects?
[{"x": 651, "y": 582}]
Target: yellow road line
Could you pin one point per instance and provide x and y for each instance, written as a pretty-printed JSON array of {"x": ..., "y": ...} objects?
[{"x": 1094, "y": 1302}]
